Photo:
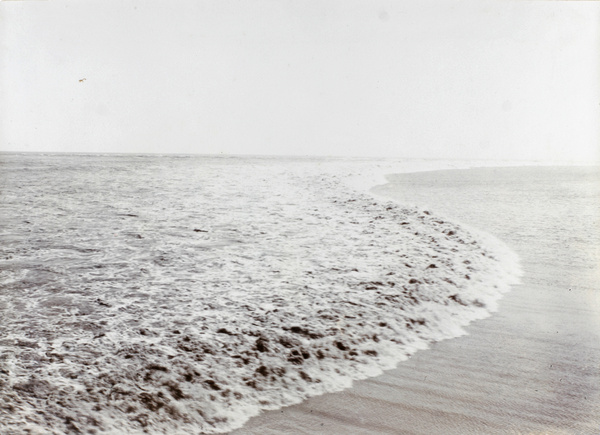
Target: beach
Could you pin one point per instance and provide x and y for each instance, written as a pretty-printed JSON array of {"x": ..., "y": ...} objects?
[
  {"x": 169, "y": 294},
  {"x": 299, "y": 217},
  {"x": 530, "y": 368}
]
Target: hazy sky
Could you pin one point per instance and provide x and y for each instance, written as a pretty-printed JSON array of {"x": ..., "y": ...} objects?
[{"x": 434, "y": 79}]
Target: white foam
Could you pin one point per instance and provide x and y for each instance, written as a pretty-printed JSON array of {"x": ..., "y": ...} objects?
[{"x": 295, "y": 285}]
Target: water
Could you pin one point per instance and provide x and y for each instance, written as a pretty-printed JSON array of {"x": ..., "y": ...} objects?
[
  {"x": 532, "y": 367},
  {"x": 537, "y": 358},
  {"x": 560, "y": 203},
  {"x": 177, "y": 294}
]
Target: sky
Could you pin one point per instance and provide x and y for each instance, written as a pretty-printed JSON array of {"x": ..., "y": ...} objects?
[{"x": 447, "y": 79}]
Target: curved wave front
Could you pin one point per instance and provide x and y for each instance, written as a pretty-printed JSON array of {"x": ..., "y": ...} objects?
[{"x": 191, "y": 305}]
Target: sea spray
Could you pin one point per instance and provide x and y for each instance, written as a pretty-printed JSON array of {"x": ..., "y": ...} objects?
[{"x": 183, "y": 295}]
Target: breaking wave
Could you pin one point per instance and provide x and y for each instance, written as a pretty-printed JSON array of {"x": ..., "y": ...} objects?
[{"x": 178, "y": 295}]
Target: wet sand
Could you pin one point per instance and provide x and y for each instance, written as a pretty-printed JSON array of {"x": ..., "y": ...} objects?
[{"x": 530, "y": 368}]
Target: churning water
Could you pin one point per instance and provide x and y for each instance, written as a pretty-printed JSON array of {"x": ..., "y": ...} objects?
[{"x": 172, "y": 294}]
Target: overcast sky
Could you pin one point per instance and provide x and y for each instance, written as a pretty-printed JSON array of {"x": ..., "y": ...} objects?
[{"x": 432, "y": 79}]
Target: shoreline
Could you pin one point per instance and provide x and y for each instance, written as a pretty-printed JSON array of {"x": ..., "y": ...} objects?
[
  {"x": 501, "y": 377},
  {"x": 207, "y": 353},
  {"x": 360, "y": 284}
]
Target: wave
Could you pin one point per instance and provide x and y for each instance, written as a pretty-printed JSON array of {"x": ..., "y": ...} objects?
[{"x": 293, "y": 290}]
